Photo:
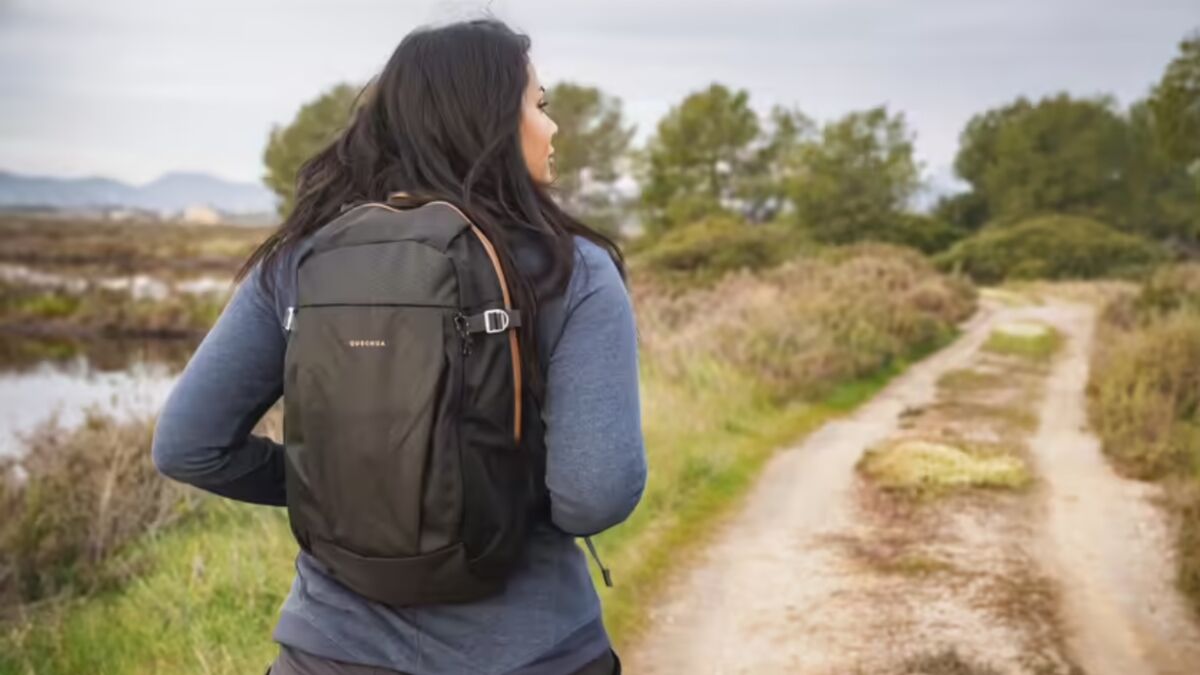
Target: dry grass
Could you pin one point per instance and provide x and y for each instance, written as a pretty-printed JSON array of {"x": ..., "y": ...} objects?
[
  {"x": 1025, "y": 339},
  {"x": 95, "y": 312},
  {"x": 75, "y": 499},
  {"x": 20, "y": 353},
  {"x": 810, "y": 323},
  {"x": 946, "y": 662},
  {"x": 929, "y": 468},
  {"x": 105, "y": 248},
  {"x": 1144, "y": 398},
  {"x": 967, "y": 380},
  {"x": 729, "y": 374}
]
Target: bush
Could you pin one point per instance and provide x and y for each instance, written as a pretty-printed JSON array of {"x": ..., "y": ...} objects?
[
  {"x": 72, "y": 500},
  {"x": 925, "y": 233},
  {"x": 1050, "y": 247},
  {"x": 76, "y": 497},
  {"x": 1170, "y": 288},
  {"x": 1144, "y": 398},
  {"x": 814, "y": 321},
  {"x": 709, "y": 248},
  {"x": 109, "y": 312}
]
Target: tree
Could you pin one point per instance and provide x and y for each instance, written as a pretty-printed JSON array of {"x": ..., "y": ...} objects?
[
  {"x": 1163, "y": 198},
  {"x": 854, "y": 180},
  {"x": 690, "y": 166},
  {"x": 1059, "y": 154},
  {"x": 1175, "y": 103},
  {"x": 316, "y": 124},
  {"x": 964, "y": 210},
  {"x": 591, "y": 137},
  {"x": 591, "y": 142},
  {"x": 762, "y": 188}
]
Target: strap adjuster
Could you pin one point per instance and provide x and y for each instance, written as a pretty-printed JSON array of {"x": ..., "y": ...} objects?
[
  {"x": 491, "y": 321},
  {"x": 495, "y": 321}
]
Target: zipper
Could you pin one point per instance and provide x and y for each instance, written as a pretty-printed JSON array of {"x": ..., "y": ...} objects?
[
  {"x": 291, "y": 317},
  {"x": 464, "y": 336},
  {"x": 603, "y": 570},
  {"x": 374, "y": 304}
]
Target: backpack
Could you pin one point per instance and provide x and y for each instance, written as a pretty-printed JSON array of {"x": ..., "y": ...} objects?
[{"x": 414, "y": 458}]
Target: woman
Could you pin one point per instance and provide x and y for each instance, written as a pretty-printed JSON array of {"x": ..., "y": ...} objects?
[{"x": 457, "y": 114}]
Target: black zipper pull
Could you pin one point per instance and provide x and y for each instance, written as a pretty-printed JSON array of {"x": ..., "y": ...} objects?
[
  {"x": 464, "y": 335},
  {"x": 603, "y": 570}
]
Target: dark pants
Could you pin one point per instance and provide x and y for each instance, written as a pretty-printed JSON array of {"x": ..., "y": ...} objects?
[{"x": 295, "y": 662}]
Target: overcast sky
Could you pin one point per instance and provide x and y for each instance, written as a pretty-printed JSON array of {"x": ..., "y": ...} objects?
[{"x": 134, "y": 88}]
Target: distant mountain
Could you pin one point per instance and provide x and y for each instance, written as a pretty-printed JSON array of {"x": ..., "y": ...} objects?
[{"x": 171, "y": 192}]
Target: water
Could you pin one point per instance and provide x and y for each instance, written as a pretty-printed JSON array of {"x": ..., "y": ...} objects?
[
  {"x": 139, "y": 286},
  {"x": 124, "y": 379}
]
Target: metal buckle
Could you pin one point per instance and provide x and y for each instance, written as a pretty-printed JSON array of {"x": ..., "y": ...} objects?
[{"x": 501, "y": 317}]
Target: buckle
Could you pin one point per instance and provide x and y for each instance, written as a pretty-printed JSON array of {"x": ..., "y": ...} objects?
[{"x": 499, "y": 325}]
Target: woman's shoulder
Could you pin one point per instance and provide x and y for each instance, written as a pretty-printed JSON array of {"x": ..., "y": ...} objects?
[{"x": 594, "y": 270}]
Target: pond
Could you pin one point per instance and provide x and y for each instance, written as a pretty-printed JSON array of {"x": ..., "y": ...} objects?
[{"x": 41, "y": 379}]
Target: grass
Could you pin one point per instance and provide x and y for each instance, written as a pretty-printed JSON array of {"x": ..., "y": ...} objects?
[
  {"x": 924, "y": 468},
  {"x": 1144, "y": 399},
  {"x": 946, "y": 662},
  {"x": 730, "y": 373},
  {"x": 965, "y": 380},
  {"x": 207, "y": 605},
  {"x": 1005, "y": 296},
  {"x": 1014, "y": 416},
  {"x": 894, "y": 555},
  {"x": 210, "y": 596},
  {"x": 98, "y": 312},
  {"x": 1025, "y": 339},
  {"x": 700, "y": 476},
  {"x": 92, "y": 248}
]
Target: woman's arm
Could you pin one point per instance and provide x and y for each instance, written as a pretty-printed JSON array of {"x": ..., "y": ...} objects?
[
  {"x": 596, "y": 458},
  {"x": 202, "y": 436}
]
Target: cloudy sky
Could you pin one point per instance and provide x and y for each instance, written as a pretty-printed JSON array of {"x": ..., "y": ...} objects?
[{"x": 134, "y": 88}]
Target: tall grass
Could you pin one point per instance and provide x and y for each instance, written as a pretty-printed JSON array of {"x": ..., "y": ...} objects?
[
  {"x": 1144, "y": 397},
  {"x": 90, "y": 248},
  {"x": 30, "y": 310},
  {"x": 729, "y": 374},
  {"x": 72, "y": 500},
  {"x": 76, "y": 498},
  {"x": 736, "y": 370}
]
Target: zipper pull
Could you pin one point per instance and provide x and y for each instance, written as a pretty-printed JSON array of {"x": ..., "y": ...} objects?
[
  {"x": 464, "y": 335},
  {"x": 603, "y": 570},
  {"x": 291, "y": 315}
]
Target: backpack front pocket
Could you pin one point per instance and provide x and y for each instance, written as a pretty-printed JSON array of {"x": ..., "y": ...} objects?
[{"x": 367, "y": 385}]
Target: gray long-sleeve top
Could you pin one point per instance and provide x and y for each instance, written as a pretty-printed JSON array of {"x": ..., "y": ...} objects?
[{"x": 547, "y": 620}]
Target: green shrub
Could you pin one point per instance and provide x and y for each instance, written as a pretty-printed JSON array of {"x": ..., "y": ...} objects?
[
  {"x": 84, "y": 493},
  {"x": 925, "y": 233},
  {"x": 816, "y": 320},
  {"x": 708, "y": 248},
  {"x": 1050, "y": 247},
  {"x": 1145, "y": 395},
  {"x": 50, "y": 305},
  {"x": 1029, "y": 340},
  {"x": 1144, "y": 398},
  {"x": 76, "y": 497},
  {"x": 1171, "y": 288}
]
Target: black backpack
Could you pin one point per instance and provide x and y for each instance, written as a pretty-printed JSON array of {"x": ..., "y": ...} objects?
[{"x": 414, "y": 458}]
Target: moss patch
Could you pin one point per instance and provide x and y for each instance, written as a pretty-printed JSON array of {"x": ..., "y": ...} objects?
[
  {"x": 926, "y": 467},
  {"x": 1024, "y": 339}
]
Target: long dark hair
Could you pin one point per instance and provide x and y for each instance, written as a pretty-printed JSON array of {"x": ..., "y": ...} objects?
[{"x": 442, "y": 121}]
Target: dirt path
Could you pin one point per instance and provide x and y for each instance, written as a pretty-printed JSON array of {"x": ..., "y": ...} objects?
[
  {"x": 1105, "y": 538},
  {"x": 821, "y": 573}
]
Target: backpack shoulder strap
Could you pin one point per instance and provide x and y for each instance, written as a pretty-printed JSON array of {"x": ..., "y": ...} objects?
[{"x": 512, "y": 318}]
